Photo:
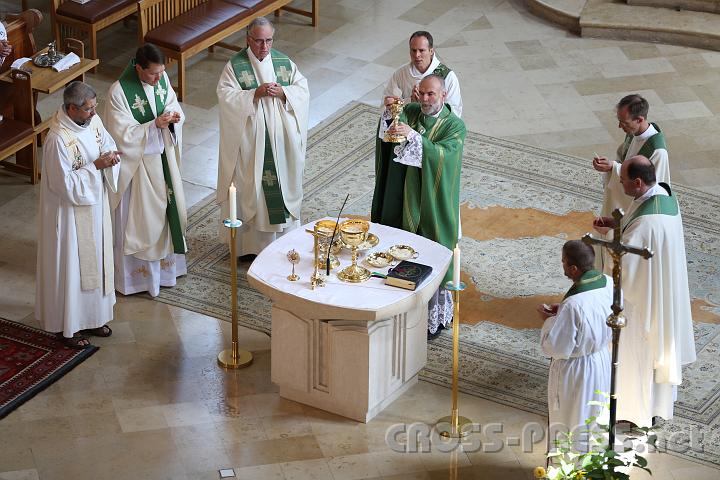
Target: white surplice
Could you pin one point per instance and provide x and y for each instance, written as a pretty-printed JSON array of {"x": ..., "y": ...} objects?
[
  {"x": 405, "y": 78},
  {"x": 72, "y": 186},
  {"x": 145, "y": 259},
  {"x": 658, "y": 339},
  {"x": 577, "y": 340},
  {"x": 242, "y": 150},
  {"x": 614, "y": 196}
]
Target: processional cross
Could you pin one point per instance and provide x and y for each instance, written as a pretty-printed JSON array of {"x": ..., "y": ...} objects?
[{"x": 616, "y": 321}]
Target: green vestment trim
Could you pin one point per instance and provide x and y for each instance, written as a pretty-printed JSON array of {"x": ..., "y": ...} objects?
[
  {"x": 245, "y": 75},
  {"x": 442, "y": 70},
  {"x": 426, "y": 200},
  {"x": 650, "y": 145},
  {"x": 655, "y": 205},
  {"x": 141, "y": 111},
  {"x": 590, "y": 280}
]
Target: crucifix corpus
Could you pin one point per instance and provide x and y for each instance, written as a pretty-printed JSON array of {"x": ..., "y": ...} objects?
[{"x": 616, "y": 321}]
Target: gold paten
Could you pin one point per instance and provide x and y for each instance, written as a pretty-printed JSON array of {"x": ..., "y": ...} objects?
[{"x": 353, "y": 233}]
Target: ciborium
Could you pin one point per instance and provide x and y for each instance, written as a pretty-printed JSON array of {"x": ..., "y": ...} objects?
[
  {"x": 324, "y": 231},
  {"x": 354, "y": 232},
  {"x": 396, "y": 109}
]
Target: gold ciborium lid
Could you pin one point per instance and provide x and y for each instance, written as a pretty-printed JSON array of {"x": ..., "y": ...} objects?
[{"x": 354, "y": 232}]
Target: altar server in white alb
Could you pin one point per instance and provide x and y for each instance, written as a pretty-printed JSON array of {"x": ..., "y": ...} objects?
[
  {"x": 641, "y": 138},
  {"x": 658, "y": 339},
  {"x": 74, "y": 284},
  {"x": 423, "y": 61},
  {"x": 264, "y": 101},
  {"x": 146, "y": 120},
  {"x": 576, "y": 337}
]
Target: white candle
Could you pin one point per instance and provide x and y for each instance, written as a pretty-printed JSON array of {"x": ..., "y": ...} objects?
[
  {"x": 456, "y": 266},
  {"x": 232, "y": 200}
]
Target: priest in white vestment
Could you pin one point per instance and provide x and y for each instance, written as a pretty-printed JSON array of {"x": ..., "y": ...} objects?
[
  {"x": 264, "y": 102},
  {"x": 658, "y": 339},
  {"x": 74, "y": 283},
  {"x": 150, "y": 216},
  {"x": 641, "y": 138},
  {"x": 423, "y": 61},
  {"x": 575, "y": 335}
]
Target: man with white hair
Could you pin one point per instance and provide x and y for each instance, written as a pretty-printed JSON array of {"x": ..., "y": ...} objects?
[
  {"x": 417, "y": 182},
  {"x": 74, "y": 285},
  {"x": 264, "y": 102}
]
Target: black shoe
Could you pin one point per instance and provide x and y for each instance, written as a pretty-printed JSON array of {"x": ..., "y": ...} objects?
[
  {"x": 250, "y": 257},
  {"x": 432, "y": 336}
]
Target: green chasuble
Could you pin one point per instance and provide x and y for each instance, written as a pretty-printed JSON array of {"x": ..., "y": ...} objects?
[
  {"x": 426, "y": 200},
  {"x": 138, "y": 101},
  {"x": 655, "y": 205}
]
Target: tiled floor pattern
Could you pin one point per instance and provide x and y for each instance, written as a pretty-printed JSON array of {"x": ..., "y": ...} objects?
[{"x": 152, "y": 404}]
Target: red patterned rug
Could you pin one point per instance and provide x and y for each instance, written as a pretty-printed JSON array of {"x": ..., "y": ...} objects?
[{"x": 30, "y": 361}]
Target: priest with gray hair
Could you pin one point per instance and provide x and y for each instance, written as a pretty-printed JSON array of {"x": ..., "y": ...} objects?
[
  {"x": 264, "y": 103},
  {"x": 75, "y": 293}
]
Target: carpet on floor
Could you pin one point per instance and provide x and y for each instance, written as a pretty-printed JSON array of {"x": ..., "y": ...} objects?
[
  {"x": 519, "y": 205},
  {"x": 30, "y": 361}
]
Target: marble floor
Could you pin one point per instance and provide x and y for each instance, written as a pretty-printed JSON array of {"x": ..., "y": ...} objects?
[{"x": 152, "y": 403}]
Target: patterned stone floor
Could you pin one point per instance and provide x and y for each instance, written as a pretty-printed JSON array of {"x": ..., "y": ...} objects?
[{"x": 152, "y": 404}]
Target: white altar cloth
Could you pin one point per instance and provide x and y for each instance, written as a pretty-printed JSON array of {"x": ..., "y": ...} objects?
[{"x": 348, "y": 348}]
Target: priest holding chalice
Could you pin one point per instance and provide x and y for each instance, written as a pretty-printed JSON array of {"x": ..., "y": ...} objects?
[{"x": 418, "y": 158}]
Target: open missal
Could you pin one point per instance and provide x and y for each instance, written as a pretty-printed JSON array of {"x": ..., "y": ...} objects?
[{"x": 407, "y": 275}]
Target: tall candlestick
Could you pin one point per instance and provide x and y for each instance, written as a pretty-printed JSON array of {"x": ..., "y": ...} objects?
[
  {"x": 456, "y": 266},
  {"x": 232, "y": 200}
]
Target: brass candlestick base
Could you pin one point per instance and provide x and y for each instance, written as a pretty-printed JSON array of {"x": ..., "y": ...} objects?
[
  {"x": 455, "y": 426},
  {"x": 234, "y": 357}
]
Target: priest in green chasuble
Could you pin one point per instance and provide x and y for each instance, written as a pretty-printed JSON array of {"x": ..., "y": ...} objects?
[
  {"x": 417, "y": 182},
  {"x": 145, "y": 119},
  {"x": 264, "y": 103}
]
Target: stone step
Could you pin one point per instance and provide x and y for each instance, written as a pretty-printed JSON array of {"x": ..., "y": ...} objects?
[
  {"x": 565, "y": 13},
  {"x": 711, "y": 6},
  {"x": 619, "y": 21}
]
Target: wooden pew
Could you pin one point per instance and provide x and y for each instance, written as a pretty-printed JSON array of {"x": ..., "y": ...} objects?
[{"x": 17, "y": 134}]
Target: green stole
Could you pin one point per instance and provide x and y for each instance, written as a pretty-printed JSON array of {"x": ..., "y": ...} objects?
[
  {"x": 655, "y": 205},
  {"x": 590, "y": 280},
  {"x": 136, "y": 98},
  {"x": 650, "y": 145},
  {"x": 245, "y": 75},
  {"x": 423, "y": 200},
  {"x": 441, "y": 71}
]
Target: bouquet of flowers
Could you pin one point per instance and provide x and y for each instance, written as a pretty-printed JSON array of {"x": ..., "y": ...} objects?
[{"x": 600, "y": 462}]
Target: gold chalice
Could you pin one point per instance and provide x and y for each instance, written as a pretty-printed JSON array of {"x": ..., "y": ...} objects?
[
  {"x": 324, "y": 230},
  {"x": 354, "y": 232},
  {"x": 396, "y": 109}
]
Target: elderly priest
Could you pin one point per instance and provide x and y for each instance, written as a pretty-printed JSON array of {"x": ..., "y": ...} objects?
[
  {"x": 417, "y": 182},
  {"x": 75, "y": 293},
  {"x": 264, "y": 102}
]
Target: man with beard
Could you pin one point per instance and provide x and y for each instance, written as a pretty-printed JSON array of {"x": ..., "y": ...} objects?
[{"x": 417, "y": 182}]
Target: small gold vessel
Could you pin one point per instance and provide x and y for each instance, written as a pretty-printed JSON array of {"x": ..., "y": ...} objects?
[{"x": 324, "y": 230}]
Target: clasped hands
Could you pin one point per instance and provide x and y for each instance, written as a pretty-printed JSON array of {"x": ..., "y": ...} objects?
[
  {"x": 5, "y": 48},
  {"x": 107, "y": 159},
  {"x": 270, "y": 89},
  {"x": 166, "y": 119}
]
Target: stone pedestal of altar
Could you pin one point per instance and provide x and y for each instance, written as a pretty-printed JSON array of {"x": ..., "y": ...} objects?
[{"x": 350, "y": 349}]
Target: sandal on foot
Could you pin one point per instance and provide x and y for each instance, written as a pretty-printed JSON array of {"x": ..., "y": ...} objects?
[
  {"x": 103, "y": 331},
  {"x": 76, "y": 342}
]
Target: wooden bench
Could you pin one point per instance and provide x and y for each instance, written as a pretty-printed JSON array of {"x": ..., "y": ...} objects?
[
  {"x": 73, "y": 20},
  {"x": 183, "y": 28},
  {"x": 17, "y": 134}
]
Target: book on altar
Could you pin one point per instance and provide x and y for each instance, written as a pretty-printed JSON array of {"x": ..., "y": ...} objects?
[{"x": 408, "y": 275}]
